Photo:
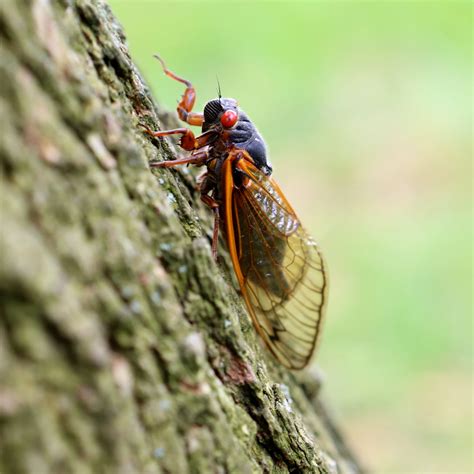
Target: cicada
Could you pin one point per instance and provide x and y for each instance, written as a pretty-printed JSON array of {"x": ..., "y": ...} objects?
[{"x": 279, "y": 267}]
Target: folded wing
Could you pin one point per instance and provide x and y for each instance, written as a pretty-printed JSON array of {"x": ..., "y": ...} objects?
[{"x": 280, "y": 268}]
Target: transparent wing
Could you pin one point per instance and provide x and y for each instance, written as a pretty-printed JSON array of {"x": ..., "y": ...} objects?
[{"x": 281, "y": 271}]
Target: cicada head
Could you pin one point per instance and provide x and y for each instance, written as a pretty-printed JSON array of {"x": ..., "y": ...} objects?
[{"x": 221, "y": 111}]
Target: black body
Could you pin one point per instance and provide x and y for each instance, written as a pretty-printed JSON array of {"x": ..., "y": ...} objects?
[{"x": 243, "y": 134}]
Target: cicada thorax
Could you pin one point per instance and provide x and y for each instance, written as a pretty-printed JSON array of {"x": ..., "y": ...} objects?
[
  {"x": 243, "y": 134},
  {"x": 246, "y": 137}
]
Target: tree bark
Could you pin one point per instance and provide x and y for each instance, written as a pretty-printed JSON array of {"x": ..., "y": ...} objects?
[{"x": 124, "y": 348}]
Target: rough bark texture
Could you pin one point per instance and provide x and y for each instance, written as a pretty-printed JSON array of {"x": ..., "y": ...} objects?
[{"x": 123, "y": 347}]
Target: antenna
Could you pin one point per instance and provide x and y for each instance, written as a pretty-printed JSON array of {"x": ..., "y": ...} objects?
[{"x": 218, "y": 88}]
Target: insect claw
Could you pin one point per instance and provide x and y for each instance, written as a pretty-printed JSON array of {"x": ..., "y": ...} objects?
[
  {"x": 146, "y": 128},
  {"x": 163, "y": 65},
  {"x": 149, "y": 131}
]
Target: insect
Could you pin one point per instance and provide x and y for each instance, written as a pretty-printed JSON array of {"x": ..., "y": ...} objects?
[{"x": 280, "y": 269}]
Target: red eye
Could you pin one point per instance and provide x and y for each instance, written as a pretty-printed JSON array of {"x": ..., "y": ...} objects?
[{"x": 229, "y": 118}]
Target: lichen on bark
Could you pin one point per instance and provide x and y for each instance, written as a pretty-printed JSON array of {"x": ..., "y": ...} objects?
[{"x": 123, "y": 347}]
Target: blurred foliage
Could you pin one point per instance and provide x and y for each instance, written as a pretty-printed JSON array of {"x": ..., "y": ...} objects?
[{"x": 366, "y": 110}]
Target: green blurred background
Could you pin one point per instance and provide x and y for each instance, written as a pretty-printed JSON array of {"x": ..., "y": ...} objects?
[{"x": 366, "y": 109}]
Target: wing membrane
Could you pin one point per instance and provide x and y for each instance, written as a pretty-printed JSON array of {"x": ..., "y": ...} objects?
[{"x": 280, "y": 269}]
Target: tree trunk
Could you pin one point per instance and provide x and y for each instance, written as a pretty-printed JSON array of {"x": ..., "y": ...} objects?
[{"x": 123, "y": 347}]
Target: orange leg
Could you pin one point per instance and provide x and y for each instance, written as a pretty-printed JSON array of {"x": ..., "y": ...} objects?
[
  {"x": 185, "y": 106},
  {"x": 188, "y": 141},
  {"x": 197, "y": 159}
]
